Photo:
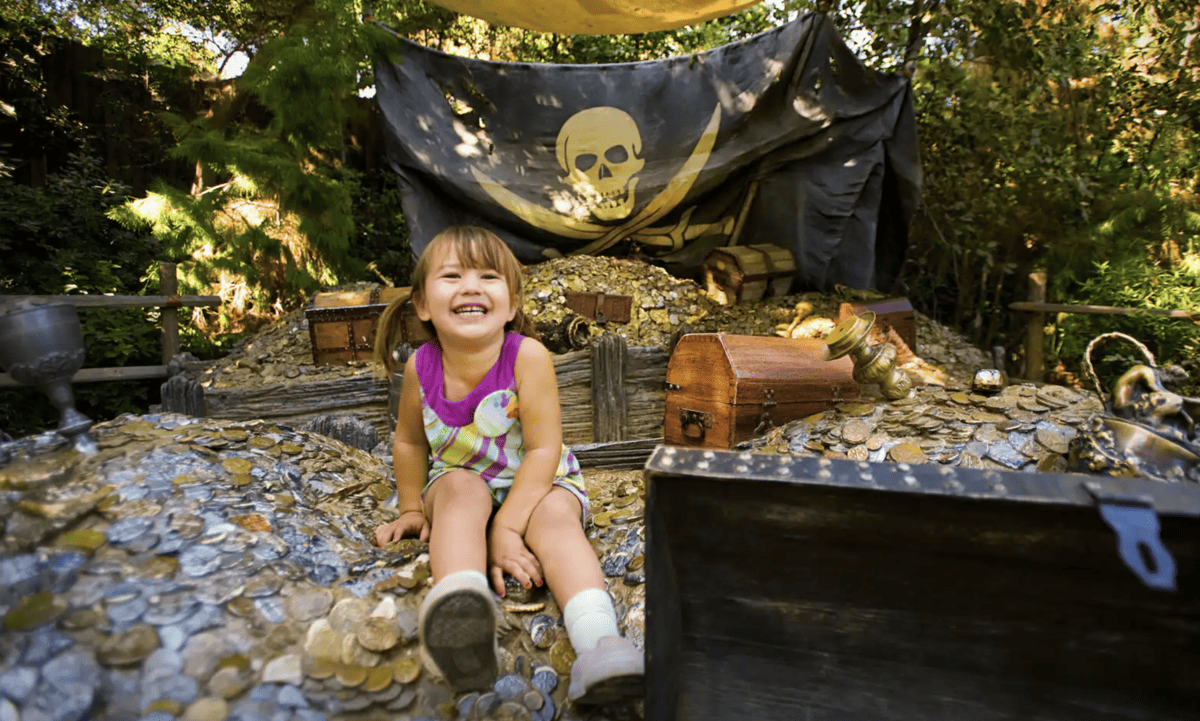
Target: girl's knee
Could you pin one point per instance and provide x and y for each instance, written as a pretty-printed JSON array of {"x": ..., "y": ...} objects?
[
  {"x": 460, "y": 488},
  {"x": 558, "y": 506}
]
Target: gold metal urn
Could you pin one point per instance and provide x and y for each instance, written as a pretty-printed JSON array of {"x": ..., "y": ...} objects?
[{"x": 872, "y": 363}]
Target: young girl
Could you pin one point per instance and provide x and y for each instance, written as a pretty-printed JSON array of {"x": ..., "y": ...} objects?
[{"x": 483, "y": 475}]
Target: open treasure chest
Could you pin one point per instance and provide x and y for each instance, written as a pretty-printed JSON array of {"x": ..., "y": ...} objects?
[{"x": 784, "y": 587}]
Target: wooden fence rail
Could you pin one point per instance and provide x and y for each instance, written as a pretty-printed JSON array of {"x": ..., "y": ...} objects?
[
  {"x": 1037, "y": 308},
  {"x": 169, "y": 302}
]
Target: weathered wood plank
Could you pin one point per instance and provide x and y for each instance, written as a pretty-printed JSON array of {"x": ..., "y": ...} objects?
[
  {"x": 618, "y": 455},
  {"x": 366, "y": 395},
  {"x": 608, "y": 388},
  {"x": 122, "y": 301},
  {"x": 94, "y": 375},
  {"x": 296, "y": 404},
  {"x": 182, "y": 394}
]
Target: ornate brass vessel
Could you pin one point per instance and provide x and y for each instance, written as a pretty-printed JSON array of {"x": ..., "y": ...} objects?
[
  {"x": 41, "y": 344},
  {"x": 872, "y": 363},
  {"x": 1147, "y": 430}
]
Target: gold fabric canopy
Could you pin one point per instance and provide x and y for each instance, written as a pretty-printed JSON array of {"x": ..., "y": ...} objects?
[{"x": 596, "y": 17}]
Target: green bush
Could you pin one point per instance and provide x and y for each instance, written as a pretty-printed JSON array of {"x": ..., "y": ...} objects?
[
  {"x": 1132, "y": 282},
  {"x": 56, "y": 240}
]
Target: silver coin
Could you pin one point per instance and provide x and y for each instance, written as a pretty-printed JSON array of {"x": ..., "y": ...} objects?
[
  {"x": 199, "y": 560},
  {"x": 124, "y": 614},
  {"x": 271, "y": 609},
  {"x": 170, "y": 608},
  {"x": 1002, "y": 452},
  {"x": 208, "y": 616},
  {"x": 262, "y": 584},
  {"x": 127, "y": 530},
  {"x": 169, "y": 543}
]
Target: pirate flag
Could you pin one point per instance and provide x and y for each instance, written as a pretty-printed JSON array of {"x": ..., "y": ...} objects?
[{"x": 783, "y": 138}]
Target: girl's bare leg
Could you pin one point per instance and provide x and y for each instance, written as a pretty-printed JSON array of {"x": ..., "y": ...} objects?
[
  {"x": 608, "y": 667},
  {"x": 458, "y": 505},
  {"x": 556, "y": 537}
]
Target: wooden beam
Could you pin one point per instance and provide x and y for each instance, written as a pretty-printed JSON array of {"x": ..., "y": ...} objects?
[
  {"x": 92, "y": 375},
  {"x": 122, "y": 301},
  {"x": 168, "y": 283},
  {"x": 610, "y": 410},
  {"x": 1101, "y": 310},
  {"x": 1035, "y": 331}
]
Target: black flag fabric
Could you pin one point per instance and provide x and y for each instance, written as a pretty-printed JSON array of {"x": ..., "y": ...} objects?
[{"x": 784, "y": 138}]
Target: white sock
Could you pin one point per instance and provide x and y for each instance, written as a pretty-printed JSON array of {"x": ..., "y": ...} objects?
[
  {"x": 589, "y": 616},
  {"x": 474, "y": 578}
]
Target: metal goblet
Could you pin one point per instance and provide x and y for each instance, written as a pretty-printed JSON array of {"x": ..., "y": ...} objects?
[{"x": 41, "y": 344}]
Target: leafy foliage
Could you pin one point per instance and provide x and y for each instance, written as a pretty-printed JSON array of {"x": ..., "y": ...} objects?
[{"x": 57, "y": 241}]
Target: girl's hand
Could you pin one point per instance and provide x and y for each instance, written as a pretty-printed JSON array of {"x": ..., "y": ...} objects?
[
  {"x": 410, "y": 523},
  {"x": 507, "y": 552}
]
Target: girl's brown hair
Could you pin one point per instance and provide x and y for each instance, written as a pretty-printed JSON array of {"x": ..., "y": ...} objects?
[{"x": 476, "y": 248}]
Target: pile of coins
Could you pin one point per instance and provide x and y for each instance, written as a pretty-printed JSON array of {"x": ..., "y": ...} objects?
[
  {"x": 202, "y": 569},
  {"x": 1024, "y": 427}
]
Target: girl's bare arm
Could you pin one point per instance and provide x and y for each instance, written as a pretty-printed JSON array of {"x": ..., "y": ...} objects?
[
  {"x": 541, "y": 429},
  {"x": 410, "y": 450}
]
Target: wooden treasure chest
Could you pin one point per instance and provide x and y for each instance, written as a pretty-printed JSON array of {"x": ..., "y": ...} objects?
[
  {"x": 723, "y": 389},
  {"x": 745, "y": 273},
  {"x": 781, "y": 587},
  {"x": 890, "y": 313},
  {"x": 341, "y": 324}
]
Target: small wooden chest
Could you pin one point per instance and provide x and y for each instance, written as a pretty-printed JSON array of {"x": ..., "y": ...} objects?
[
  {"x": 341, "y": 325},
  {"x": 745, "y": 273},
  {"x": 781, "y": 587},
  {"x": 894, "y": 313},
  {"x": 723, "y": 389}
]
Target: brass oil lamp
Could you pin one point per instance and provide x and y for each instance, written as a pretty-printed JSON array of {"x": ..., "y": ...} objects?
[{"x": 872, "y": 363}]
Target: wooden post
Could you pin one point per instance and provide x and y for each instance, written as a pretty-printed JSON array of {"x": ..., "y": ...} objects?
[
  {"x": 169, "y": 286},
  {"x": 609, "y": 409},
  {"x": 1035, "y": 332}
]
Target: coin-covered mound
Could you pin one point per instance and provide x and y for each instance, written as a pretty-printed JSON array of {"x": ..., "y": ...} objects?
[
  {"x": 203, "y": 569},
  {"x": 662, "y": 305}
]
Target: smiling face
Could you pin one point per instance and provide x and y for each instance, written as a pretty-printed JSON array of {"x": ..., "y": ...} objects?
[{"x": 464, "y": 303}]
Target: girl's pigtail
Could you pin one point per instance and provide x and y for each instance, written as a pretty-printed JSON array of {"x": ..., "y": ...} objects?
[
  {"x": 524, "y": 325},
  {"x": 389, "y": 332}
]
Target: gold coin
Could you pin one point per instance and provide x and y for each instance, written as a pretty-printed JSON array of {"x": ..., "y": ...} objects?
[
  {"x": 234, "y": 434},
  {"x": 320, "y": 668},
  {"x": 856, "y": 409},
  {"x": 960, "y": 398},
  {"x": 261, "y": 442},
  {"x": 562, "y": 656},
  {"x": 351, "y": 676},
  {"x": 83, "y": 539},
  {"x": 907, "y": 453},
  {"x": 875, "y": 442},
  {"x": 858, "y": 453},
  {"x": 292, "y": 448},
  {"x": 377, "y": 633},
  {"x": 856, "y": 431},
  {"x": 237, "y": 465},
  {"x": 378, "y": 679},
  {"x": 1053, "y": 440},
  {"x": 406, "y": 670}
]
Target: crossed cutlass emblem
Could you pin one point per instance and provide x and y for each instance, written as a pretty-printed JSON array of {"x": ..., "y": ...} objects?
[{"x": 636, "y": 228}]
